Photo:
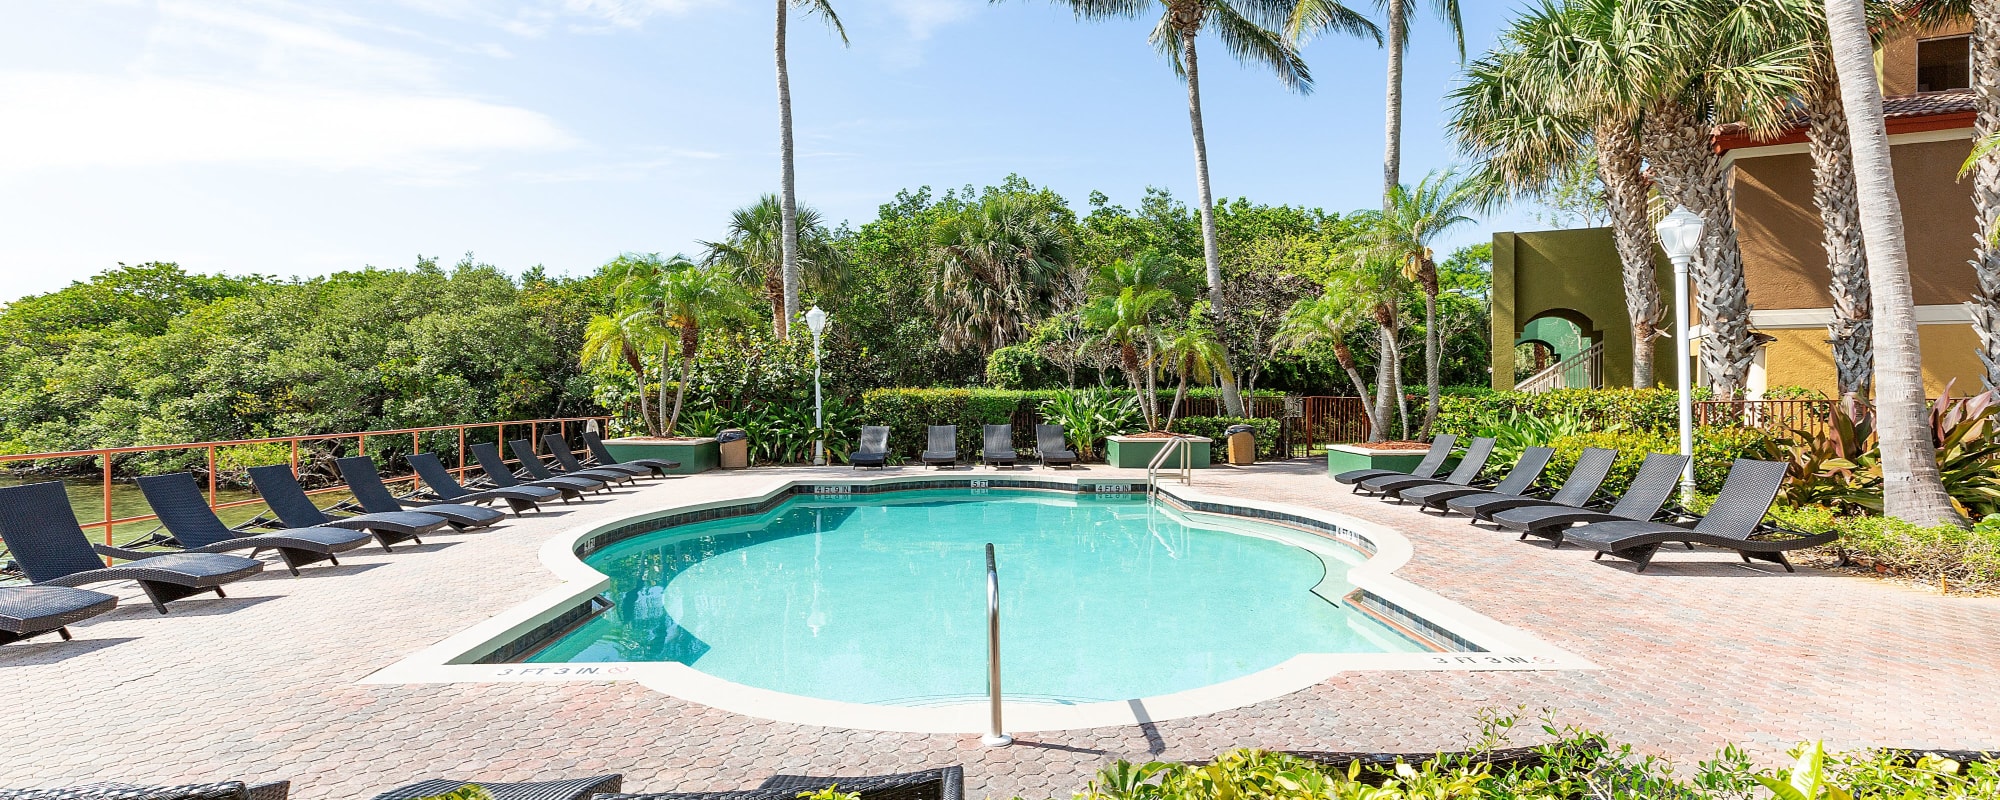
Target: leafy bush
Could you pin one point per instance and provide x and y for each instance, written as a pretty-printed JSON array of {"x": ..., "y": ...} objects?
[
  {"x": 1516, "y": 433},
  {"x": 1089, "y": 415},
  {"x": 1215, "y": 427},
  {"x": 1960, "y": 559},
  {"x": 1462, "y": 412},
  {"x": 908, "y": 412},
  {"x": 1715, "y": 449}
]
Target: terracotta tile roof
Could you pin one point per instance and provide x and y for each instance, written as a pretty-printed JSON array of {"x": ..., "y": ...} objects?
[
  {"x": 1914, "y": 112},
  {"x": 1955, "y": 101}
]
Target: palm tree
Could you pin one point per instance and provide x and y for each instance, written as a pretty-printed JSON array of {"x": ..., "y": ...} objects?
[
  {"x": 1913, "y": 492},
  {"x": 1248, "y": 29},
  {"x": 1193, "y": 353},
  {"x": 1316, "y": 15},
  {"x": 607, "y": 339},
  {"x": 754, "y": 251},
  {"x": 1330, "y": 319},
  {"x": 788, "y": 190},
  {"x": 680, "y": 297},
  {"x": 1370, "y": 278},
  {"x": 1415, "y": 217},
  {"x": 996, "y": 269},
  {"x": 1126, "y": 320}
]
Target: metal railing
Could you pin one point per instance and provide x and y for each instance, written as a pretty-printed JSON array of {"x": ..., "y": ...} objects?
[
  {"x": 1777, "y": 416},
  {"x": 1584, "y": 370},
  {"x": 1328, "y": 421},
  {"x": 315, "y": 446},
  {"x": 996, "y": 733},
  {"x": 1184, "y": 472}
]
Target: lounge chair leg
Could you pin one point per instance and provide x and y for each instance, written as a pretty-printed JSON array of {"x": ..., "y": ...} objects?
[
  {"x": 1598, "y": 557},
  {"x": 333, "y": 559},
  {"x": 1784, "y": 562},
  {"x": 64, "y": 633},
  {"x": 218, "y": 593}
]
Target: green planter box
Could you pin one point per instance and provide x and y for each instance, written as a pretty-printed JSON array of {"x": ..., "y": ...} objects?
[
  {"x": 1343, "y": 457},
  {"x": 695, "y": 455},
  {"x": 1125, "y": 452}
]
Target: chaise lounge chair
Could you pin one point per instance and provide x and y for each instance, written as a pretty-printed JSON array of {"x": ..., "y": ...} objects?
[
  {"x": 1577, "y": 490},
  {"x": 30, "y": 611},
  {"x": 874, "y": 449},
  {"x": 446, "y": 489},
  {"x": 1527, "y": 469},
  {"x": 1469, "y": 467},
  {"x": 1433, "y": 461},
  {"x": 42, "y": 533},
  {"x": 224, "y": 790},
  {"x": 1732, "y": 523},
  {"x": 944, "y": 783},
  {"x": 999, "y": 450},
  {"x": 193, "y": 528},
  {"x": 375, "y": 498},
  {"x": 532, "y": 463},
  {"x": 496, "y": 472},
  {"x": 1658, "y": 476},
  {"x": 287, "y": 499},
  {"x": 1050, "y": 445},
  {"x": 572, "y": 789},
  {"x": 943, "y": 449},
  {"x": 566, "y": 461},
  {"x": 600, "y": 456}
]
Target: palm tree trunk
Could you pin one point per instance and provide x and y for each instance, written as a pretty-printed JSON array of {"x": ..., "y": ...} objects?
[
  {"x": 1152, "y": 389},
  {"x": 1128, "y": 355},
  {"x": 1346, "y": 358},
  {"x": 1385, "y": 384},
  {"x": 1620, "y": 167},
  {"x": 1211, "y": 252},
  {"x": 1396, "y": 375},
  {"x": 1392, "y": 134},
  {"x": 788, "y": 208},
  {"x": 1432, "y": 346},
  {"x": 1912, "y": 490},
  {"x": 638, "y": 368},
  {"x": 690, "y": 343},
  {"x": 1692, "y": 174},
  {"x": 774, "y": 288},
  {"x": 1985, "y": 303},
  {"x": 665, "y": 428},
  {"x": 1179, "y": 394},
  {"x": 1840, "y": 232}
]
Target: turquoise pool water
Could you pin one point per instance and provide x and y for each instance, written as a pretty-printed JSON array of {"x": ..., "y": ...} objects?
[{"x": 882, "y": 598}]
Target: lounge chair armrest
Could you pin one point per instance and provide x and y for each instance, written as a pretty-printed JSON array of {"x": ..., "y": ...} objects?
[
  {"x": 123, "y": 554},
  {"x": 1767, "y": 527}
]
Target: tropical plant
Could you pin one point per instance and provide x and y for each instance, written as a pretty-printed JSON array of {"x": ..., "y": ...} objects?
[
  {"x": 1373, "y": 278},
  {"x": 1823, "y": 463},
  {"x": 1330, "y": 319},
  {"x": 1248, "y": 28},
  {"x": 1191, "y": 352},
  {"x": 1090, "y": 415},
  {"x": 1983, "y": 151},
  {"x": 1964, "y": 434},
  {"x": 788, "y": 190},
  {"x": 995, "y": 269},
  {"x": 754, "y": 252},
  {"x": 1517, "y": 432},
  {"x": 1128, "y": 318},
  {"x": 609, "y": 339},
  {"x": 680, "y": 296},
  {"x": 1414, "y": 218}
]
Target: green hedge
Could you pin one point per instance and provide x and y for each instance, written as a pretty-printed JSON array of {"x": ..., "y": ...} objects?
[
  {"x": 1714, "y": 450},
  {"x": 910, "y": 412},
  {"x": 1214, "y": 427},
  {"x": 1636, "y": 409}
]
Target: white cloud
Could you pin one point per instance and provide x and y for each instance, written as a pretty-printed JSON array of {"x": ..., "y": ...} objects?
[
  {"x": 628, "y": 13},
  {"x": 924, "y": 17},
  {"x": 120, "y": 121}
]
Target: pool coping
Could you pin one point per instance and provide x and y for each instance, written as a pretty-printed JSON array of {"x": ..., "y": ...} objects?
[{"x": 478, "y": 654}]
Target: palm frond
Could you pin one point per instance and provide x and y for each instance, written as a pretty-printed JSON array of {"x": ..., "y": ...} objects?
[
  {"x": 1255, "y": 44},
  {"x": 1310, "y": 18},
  {"x": 824, "y": 10}
]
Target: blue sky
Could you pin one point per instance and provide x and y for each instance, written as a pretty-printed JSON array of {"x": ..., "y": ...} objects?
[{"x": 296, "y": 138}]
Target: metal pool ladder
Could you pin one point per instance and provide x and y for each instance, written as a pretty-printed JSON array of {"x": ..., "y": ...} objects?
[
  {"x": 1184, "y": 472},
  {"x": 995, "y": 733}
]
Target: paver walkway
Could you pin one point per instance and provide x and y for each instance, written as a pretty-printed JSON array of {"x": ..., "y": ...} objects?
[{"x": 1699, "y": 651}]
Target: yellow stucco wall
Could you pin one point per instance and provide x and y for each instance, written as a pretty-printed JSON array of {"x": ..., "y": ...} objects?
[
  {"x": 1800, "y": 357},
  {"x": 1897, "y": 56}
]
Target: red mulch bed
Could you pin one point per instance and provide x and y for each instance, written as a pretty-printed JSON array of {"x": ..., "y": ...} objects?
[
  {"x": 1162, "y": 435},
  {"x": 668, "y": 439},
  {"x": 1394, "y": 445}
]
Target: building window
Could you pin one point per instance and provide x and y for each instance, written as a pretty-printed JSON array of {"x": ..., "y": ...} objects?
[{"x": 1944, "y": 64}]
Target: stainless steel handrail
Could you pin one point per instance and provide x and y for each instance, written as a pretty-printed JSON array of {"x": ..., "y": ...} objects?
[
  {"x": 1185, "y": 470},
  {"x": 995, "y": 732}
]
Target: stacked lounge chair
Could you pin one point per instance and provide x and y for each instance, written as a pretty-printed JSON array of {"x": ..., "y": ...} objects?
[
  {"x": 30, "y": 611},
  {"x": 566, "y": 461},
  {"x": 944, "y": 783},
  {"x": 495, "y": 469},
  {"x": 1732, "y": 523},
  {"x": 281, "y": 491},
  {"x": 1051, "y": 447},
  {"x": 531, "y": 462},
  {"x": 1658, "y": 476},
  {"x": 873, "y": 450},
  {"x": 42, "y": 533},
  {"x": 375, "y": 497},
  {"x": 1592, "y": 466},
  {"x": 1469, "y": 467},
  {"x": 1527, "y": 469},
  {"x": 192, "y": 527},
  {"x": 569, "y": 789},
  {"x": 943, "y": 449},
  {"x": 1432, "y": 462},
  {"x": 600, "y": 456},
  {"x": 446, "y": 489},
  {"x": 999, "y": 446}
]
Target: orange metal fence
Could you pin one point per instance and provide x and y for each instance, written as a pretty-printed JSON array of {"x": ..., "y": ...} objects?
[
  {"x": 1332, "y": 420},
  {"x": 331, "y": 444}
]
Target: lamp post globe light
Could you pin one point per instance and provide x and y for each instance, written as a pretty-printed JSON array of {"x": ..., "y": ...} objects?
[
  {"x": 1680, "y": 236},
  {"x": 816, "y": 320}
]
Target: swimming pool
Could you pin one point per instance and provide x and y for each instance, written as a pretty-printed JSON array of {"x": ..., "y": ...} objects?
[{"x": 880, "y": 599}]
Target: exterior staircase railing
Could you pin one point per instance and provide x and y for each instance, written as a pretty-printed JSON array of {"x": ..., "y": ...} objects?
[{"x": 1584, "y": 370}]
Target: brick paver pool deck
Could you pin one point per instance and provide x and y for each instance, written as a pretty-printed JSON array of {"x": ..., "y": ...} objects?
[{"x": 1699, "y": 651}]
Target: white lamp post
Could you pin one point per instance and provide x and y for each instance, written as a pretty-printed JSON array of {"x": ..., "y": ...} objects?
[
  {"x": 1680, "y": 236},
  {"x": 816, "y": 320}
]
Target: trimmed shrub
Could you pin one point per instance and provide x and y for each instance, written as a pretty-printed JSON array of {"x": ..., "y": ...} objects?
[
  {"x": 1214, "y": 427},
  {"x": 1964, "y": 560},
  {"x": 1463, "y": 413},
  {"x": 1714, "y": 450},
  {"x": 909, "y": 413}
]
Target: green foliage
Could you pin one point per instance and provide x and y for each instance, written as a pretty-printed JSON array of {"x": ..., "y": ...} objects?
[
  {"x": 1646, "y": 410},
  {"x": 1823, "y": 462},
  {"x": 1516, "y": 433},
  {"x": 1215, "y": 427},
  {"x": 1963, "y": 559},
  {"x": 829, "y": 793},
  {"x": 1715, "y": 449},
  {"x": 909, "y": 413},
  {"x": 1090, "y": 415},
  {"x": 1016, "y": 366}
]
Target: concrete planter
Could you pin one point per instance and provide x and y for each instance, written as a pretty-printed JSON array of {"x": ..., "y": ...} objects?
[
  {"x": 1343, "y": 457},
  {"x": 1126, "y": 452},
  {"x": 695, "y": 455}
]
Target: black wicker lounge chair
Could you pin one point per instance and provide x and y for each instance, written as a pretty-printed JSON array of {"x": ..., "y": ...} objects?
[
  {"x": 30, "y": 611},
  {"x": 375, "y": 498},
  {"x": 226, "y": 790},
  {"x": 1527, "y": 469},
  {"x": 946, "y": 783},
  {"x": 495, "y": 470},
  {"x": 999, "y": 446},
  {"x": 1909, "y": 756},
  {"x": 1050, "y": 444},
  {"x": 874, "y": 449},
  {"x": 1469, "y": 467},
  {"x": 1733, "y": 523},
  {"x": 571, "y": 789},
  {"x": 1592, "y": 465},
  {"x": 193, "y": 528},
  {"x": 943, "y": 449},
  {"x": 600, "y": 456},
  {"x": 1658, "y": 476},
  {"x": 446, "y": 489},
  {"x": 42, "y": 533},
  {"x": 1377, "y": 768},
  {"x": 532, "y": 463},
  {"x": 287, "y": 499},
  {"x": 1432, "y": 462},
  {"x": 566, "y": 461}
]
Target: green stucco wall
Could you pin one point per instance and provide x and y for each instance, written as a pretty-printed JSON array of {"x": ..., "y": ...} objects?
[{"x": 1573, "y": 274}]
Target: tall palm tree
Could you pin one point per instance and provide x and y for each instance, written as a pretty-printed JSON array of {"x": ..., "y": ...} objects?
[
  {"x": 788, "y": 190},
  {"x": 1415, "y": 217},
  {"x": 754, "y": 251},
  {"x": 1913, "y": 492},
  {"x": 608, "y": 339},
  {"x": 996, "y": 267},
  {"x": 1249, "y": 29},
  {"x": 1315, "y": 15},
  {"x": 1330, "y": 319},
  {"x": 680, "y": 297},
  {"x": 1371, "y": 278},
  {"x": 1192, "y": 352},
  {"x": 1128, "y": 320}
]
